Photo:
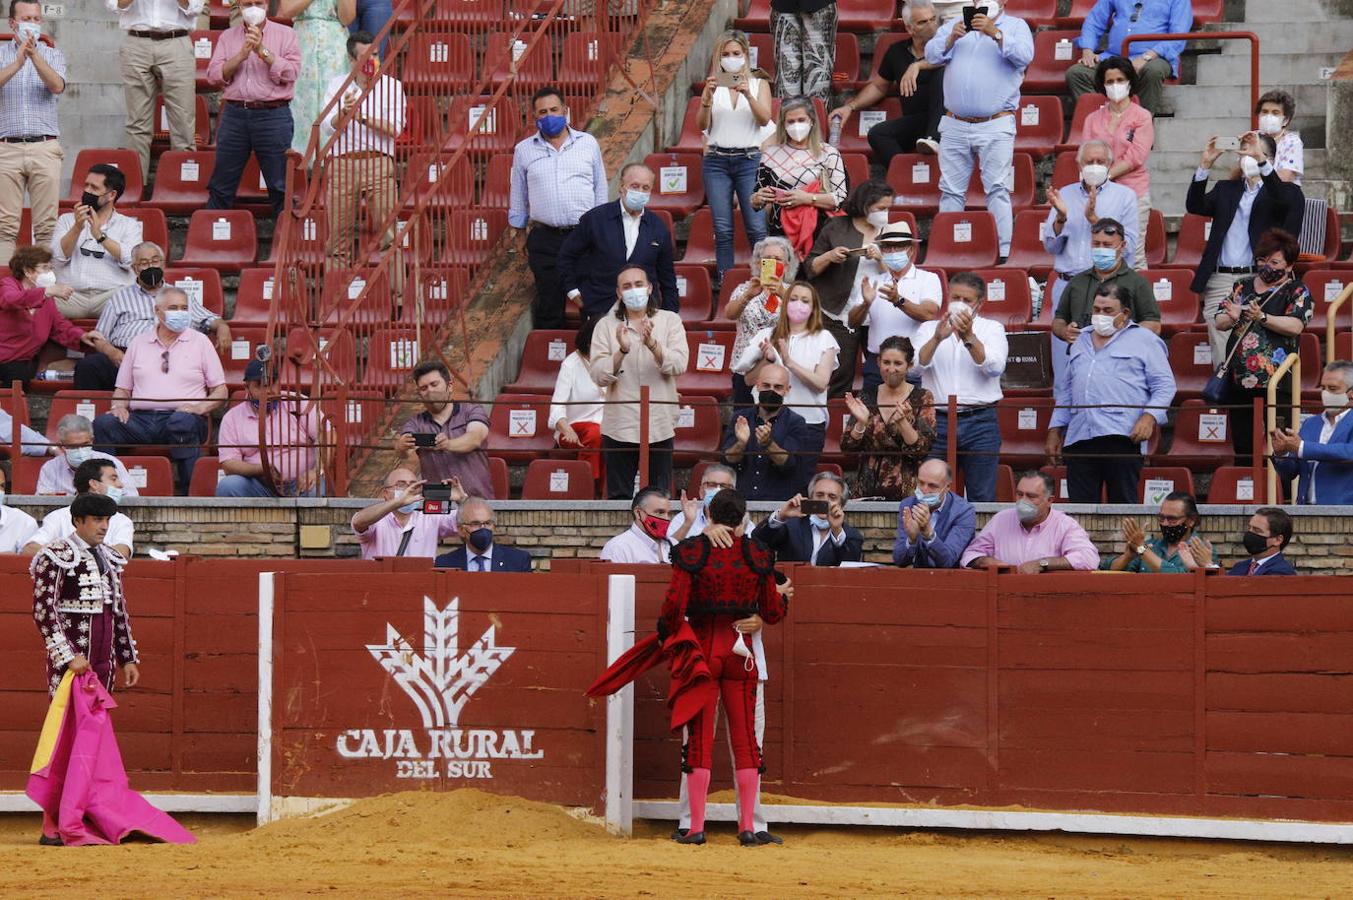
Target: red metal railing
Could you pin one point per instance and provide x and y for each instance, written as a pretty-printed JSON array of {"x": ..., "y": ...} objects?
[{"x": 1213, "y": 36}]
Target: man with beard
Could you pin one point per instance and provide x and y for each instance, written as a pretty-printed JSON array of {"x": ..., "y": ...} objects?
[
  {"x": 459, "y": 430},
  {"x": 763, "y": 443}
]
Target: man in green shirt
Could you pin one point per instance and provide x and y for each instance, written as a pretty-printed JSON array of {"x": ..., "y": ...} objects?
[{"x": 1107, "y": 267}]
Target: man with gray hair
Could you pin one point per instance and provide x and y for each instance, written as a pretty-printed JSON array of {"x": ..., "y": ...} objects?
[
  {"x": 695, "y": 499},
  {"x": 1320, "y": 455},
  {"x": 1075, "y": 210},
  {"x": 130, "y": 311},
  {"x": 75, "y": 436},
  {"x": 814, "y": 530},
  {"x": 614, "y": 236}
]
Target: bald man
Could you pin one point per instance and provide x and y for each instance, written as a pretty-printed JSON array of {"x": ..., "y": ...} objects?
[
  {"x": 936, "y": 525},
  {"x": 763, "y": 444}
]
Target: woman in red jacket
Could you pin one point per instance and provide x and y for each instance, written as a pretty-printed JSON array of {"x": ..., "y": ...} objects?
[
  {"x": 28, "y": 316},
  {"x": 713, "y": 588}
]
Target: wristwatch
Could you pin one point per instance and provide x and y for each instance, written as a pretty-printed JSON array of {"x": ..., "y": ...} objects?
[
  {"x": 1043, "y": 565},
  {"x": 1140, "y": 549}
]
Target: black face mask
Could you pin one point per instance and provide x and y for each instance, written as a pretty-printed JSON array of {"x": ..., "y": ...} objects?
[
  {"x": 90, "y": 200},
  {"x": 770, "y": 401},
  {"x": 1254, "y": 543},
  {"x": 151, "y": 278},
  {"x": 1272, "y": 274},
  {"x": 1173, "y": 534}
]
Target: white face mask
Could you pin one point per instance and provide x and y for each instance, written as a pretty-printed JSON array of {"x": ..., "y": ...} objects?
[
  {"x": 1270, "y": 124},
  {"x": 1249, "y": 167},
  {"x": 732, "y": 64},
  {"x": 1103, "y": 325},
  {"x": 799, "y": 130},
  {"x": 1117, "y": 92},
  {"x": 634, "y": 298},
  {"x": 45, "y": 279},
  {"x": 1094, "y": 174},
  {"x": 1334, "y": 400},
  {"x": 958, "y": 308},
  {"x": 878, "y": 218},
  {"x": 254, "y": 15}
]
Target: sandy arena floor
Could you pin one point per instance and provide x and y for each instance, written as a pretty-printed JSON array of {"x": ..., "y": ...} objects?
[{"x": 468, "y": 843}]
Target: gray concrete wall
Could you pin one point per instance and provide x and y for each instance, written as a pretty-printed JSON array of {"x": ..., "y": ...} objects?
[{"x": 92, "y": 109}]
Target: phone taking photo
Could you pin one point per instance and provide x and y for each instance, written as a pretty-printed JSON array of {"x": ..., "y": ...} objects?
[
  {"x": 970, "y": 13},
  {"x": 813, "y": 507},
  {"x": 1228, "y": 143},
  {"x": 727, "y": 79}
]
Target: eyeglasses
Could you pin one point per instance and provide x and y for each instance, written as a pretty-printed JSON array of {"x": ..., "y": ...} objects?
[
  {"x": 97, "y": 254},
  {"x": 164, "y": 363},
  {"x": 1136, "y": 11},
  {"x": 715, "y": 485},
  {"x": 1171, "y": 520},
  {"x": 399, "y": 486},
  {"x": 475, "y": 526}
]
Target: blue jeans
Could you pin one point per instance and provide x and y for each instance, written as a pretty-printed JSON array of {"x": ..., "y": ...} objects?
[
  {"x": 372, "y": 16},
  {"x": 723, "y": 176},
  {"x": 266, "y": 133},
  {"x": 183, "y": 432},
  {"x": 962, "y": 144},
  {"x": 245, "y": 486},
  {"x": 979, "y": 446}
]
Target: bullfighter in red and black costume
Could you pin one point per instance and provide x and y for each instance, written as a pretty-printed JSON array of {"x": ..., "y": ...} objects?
[{"x": 712, "y": 588}]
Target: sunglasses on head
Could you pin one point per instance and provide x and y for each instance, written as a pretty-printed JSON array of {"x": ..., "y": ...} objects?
[{"x": 1110, "y": 230}]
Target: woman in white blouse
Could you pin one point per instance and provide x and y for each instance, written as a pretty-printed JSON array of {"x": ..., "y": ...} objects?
[
  {"x": 755, "y": 305},
  {"x": 734, "y": 120},
  {"x": 575, "y": 408},
  {"x": 800, "y": 344}
]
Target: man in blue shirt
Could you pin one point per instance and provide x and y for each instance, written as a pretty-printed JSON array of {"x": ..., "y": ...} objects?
[
  {"x": 984, "y": 70},
  {"x": 1113, "y": 392},
  {"x": 762, "y": 444},
  {"x": 935, "y": 526},
  {"x": 1154, "y": 61},
  {"x": 1077, "y": 207}
]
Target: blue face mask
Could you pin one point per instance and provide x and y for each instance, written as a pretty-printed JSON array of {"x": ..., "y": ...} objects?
[
  {"x": 635, "y": 201},
  {"x": 113, "y": 493},
  {"x": 930, "y": 500},
  {"x": 481, "y": 539},
  {"x": 896, "y": 261},
  {"x": 1104, "y": 258},
  {"x": 253, "y": 403},
  {"x": 709, "y": 495},
  {"x": 820, "y": 522},
  {"x": 177, "y": 320},
  {"x": 551, "y": 126}
]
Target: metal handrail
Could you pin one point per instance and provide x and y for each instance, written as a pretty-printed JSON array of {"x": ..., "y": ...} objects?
[
  {"x": 1330, "y": 315},
  {"x": 1291, "y": 364}
]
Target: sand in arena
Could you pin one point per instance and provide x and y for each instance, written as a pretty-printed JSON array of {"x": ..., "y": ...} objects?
[{"x": 468, "y": 843}]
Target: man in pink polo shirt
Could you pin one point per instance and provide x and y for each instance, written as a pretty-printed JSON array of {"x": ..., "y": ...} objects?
[
  {"x": 169, "y": 382},
  {"x": 1033, "y": 537},
  {"x": 291, "y": 434},
  {"x": 395, "y": 524}
]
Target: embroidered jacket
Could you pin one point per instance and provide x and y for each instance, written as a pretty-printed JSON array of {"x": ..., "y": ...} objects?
[
  {"x": 70, "y": 595},
  {"x": 709, "y": 581}
]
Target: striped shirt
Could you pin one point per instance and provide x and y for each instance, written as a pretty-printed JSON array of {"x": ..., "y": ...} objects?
[
  {"x": 555, "y": 187},
  {"x": 131, "y": 311},
  {"x": 27, "y": 107}
]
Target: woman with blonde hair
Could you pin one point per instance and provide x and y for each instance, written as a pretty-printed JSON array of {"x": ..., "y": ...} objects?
[{"x": 801, "y": 178}]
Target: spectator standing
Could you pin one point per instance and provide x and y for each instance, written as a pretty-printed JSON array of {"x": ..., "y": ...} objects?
[
  {"x": 1271, "y": 309},
  {"x": 32, "y": 76},
  {"x": 984, "y": 69},
  {"x": 460, "y": 429},
  {"x": 16, "y": 526},
  {"x": 1076, "y": 209},
  {"x": 76, "y": 435},
  {"x": 805, "y": 47},
  {"x": 1275, "y": 111},
  {"x": 819, "y": 540},
  {"x": 1154, "y": 62},
  {"x": 1033, "y": 537},
  {"x": 691, "y": 520},
  {"x": 169, "y": 383},
  {"x": 755, "y": 304},
  {"x": 92, "y": 246},
  {"x": 763, "y": 443},
  {"x": 1130, "y": 132},
  {"x": 801, "y": 178},
  {"x": 645, "y": 541},
  {"x": 287, "y": 464},
  {"x": 1268, "y": 533},
  {"x": 1243, "y": 207},
  {"x": 614, "y": 236},
  {"x": 157, "y": 57},
  {"x": 638, "y": 345},
  {"x": 920, "y": 84},
  {"x": 256, "y": 64},
  {"x": 799, "y": 342},
  {"x": 321, "y": 28},
  {"x": 962, "y": 355},
  {"x": 29, "y": 319},
  {"x": 903, "y": 297},
  {"x": 1173, "y": 550},
  {"x": 361, "y": 162},
  {"x": 395, "y": 524},
  {"x": 891, "y": 427},
  {"x": 480, "y": 553},
  {"x": 734, "y": 120},
  {"x": 130, "y": 311},
  {"x": 1116, "y": 389},
  {"x": 1108, "y": 268},
  {"x": 576, "y": 406},
  {"x": 93, "y": 476},
  {"x": 1320, "y": 454},
  {"x": 934, "y": 525},
  {"x": 557, "y": 175},
  {"x": 844, "y": 255}
]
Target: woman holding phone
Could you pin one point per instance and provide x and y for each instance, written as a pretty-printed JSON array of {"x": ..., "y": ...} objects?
[
  {"x": 801, "y": 178},
  {"x": 755, "y": 304}
]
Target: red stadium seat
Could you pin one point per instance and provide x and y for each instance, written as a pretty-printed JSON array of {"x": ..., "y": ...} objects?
[
  {"x": 1076, "y": 17},
  {"x": 254, "y": 298},
  {"x": 863, "y": 15},
  {"x": 391, "y": 356},
  {"x": 200, "y": 283},
  {"x": 496, "y": 191},
  {"x": 1202, "y": 438},
  {"x": 731, "y": 279},
  {"x": 916, "y": 179},
  {"x": 442, "y": 289},
  {"x": 337, "y": 357},
  {"x": 1021, "y": 195},
  {"x": 499, "y": 475},
  {"x": 201, "y": 122},
  {"x": 126, "y": 160},
  {"x": 1157, "y": 481},
  {"x": 1155, "y": 238},
  {"x": 355, "y": 415},
  {"x": 1035, "y": 12},
  {"x": 310, "y": 241},
  {"x": 855, "y": 135},
  {"x": 1047, "y": 74},
  {"x": 206, "y": 473},
  {"x": 1026, "y": 246},
  {"x": 450, "y": 13},
  {"x": 544, "y": 352},
  {"x": 885, "y": 41},
  {"x": 427, "y": 178},
  {"x": 697, "y": 432},
  {"x": 1008, "y": 299},
  {"x": 363, "y": 297},
  {"x": 23, "y": 479},
  {"x": 757, "y": 18},
  {"x": 895, "y": 215},
  {"x": 17, "y": 412},
  {"x": 421, "y": 124},
  {"x": 846, "y": 63},
  {"x": 965, "y": 240},
  {"x": 1234, "y": 484},
  {"x": 438, "y": 63},
  {"x": 693, "y": 284},
  {"x": 25, "y": 236},
  {"x": 1191, "y": 362},
  {"x": 857, "y": 169},
  {"x": 1038, "y": 125},
  {"x": 1085, "y": 104},
  {"x": 1179, "y": 306},
  {"x": 1312, "y": 363},
  {"x": 471, "y": 235},
  {"x": 1065, "y": 169},
  {"x": 1333, "y": 235},
  {"x": 1023, "y": 423},
  {"x": 559, "y": 479},
  {"x": 1192, "y": 238},
  {"x": 679, "y": 188},
  {"x": 1325, "y": 285},
  {"x": 244, "y": 344},
  {"x": 204, "y": 44},
  {"x": 496, "y": 125},
  {"x": 154, "y": 226},
  {"x": 700, "y": 240},
  {"x": 181, "y": 181},
  {"x": 708, "y": 371},
  {"x": 151, "y": 475},
  {"x": 585, "y": 59},
  {"x": 690, "y": 139},
  {"x": 222, "y": 239},
  {"x": 1005, "y": 484},
  {"x": 90, "y": 404},
  {"x": 1206, "y": 12},
  {"x": 518, "y": 430},
  {"x": 505, "y": 58},
  {"x": 837, "y": 414},
  {"x": 763, "y": 52}
]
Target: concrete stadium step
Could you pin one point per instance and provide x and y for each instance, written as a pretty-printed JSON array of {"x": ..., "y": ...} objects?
[{"x": 1295, "y": 11}]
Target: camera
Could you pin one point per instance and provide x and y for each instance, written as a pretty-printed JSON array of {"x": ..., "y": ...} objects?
[{"x": 436, "y": 499}]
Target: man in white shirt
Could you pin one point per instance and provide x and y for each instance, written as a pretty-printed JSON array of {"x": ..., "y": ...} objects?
[
  {"x": 361, "y": 160},
  {"x": 76, "y": 436},
  {"x": 646, "y": 540},
  {"x": 904, "y": 297},
  {"x": 16, "y": 526},
  {"x": 92, "y": 246},
  {"x": 962, "y": 355},
  {"x": 157, "y": 54},
  {"x": 95, "y": 476},
  {"x": 691, "y": 520}
]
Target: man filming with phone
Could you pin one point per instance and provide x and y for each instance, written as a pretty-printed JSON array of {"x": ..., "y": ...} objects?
[
  {"x": 446, "y": 440},
  {"x": 813, "y": 530}
]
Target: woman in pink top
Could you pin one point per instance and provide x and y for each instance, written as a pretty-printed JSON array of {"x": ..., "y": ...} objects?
[
  {"x": 1126, "y": 127},
  {"x": 28, "y": 316}
]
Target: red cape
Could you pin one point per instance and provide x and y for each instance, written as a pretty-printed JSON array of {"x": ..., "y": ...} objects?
[{"x": 691, "y": 687}]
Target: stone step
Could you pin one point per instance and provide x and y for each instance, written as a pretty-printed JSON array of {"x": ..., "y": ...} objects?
[
  {"x": 1332, "y": 36},
  {"x": 1275, "y": 69},
  {"x": 1194, "y": 103},
  {"x": 1297, "y": 10}
]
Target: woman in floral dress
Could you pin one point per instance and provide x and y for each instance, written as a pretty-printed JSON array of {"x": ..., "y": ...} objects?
[
  {"x": 322, "y": 31},
  {"x": 891, "y": 427}
]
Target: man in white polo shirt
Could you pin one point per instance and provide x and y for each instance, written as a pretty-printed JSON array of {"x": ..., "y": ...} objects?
[
  {"x": 94, "y": 476},
  {"x": 902, "y": 298}
]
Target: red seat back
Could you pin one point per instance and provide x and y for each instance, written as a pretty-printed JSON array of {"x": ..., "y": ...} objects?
[
  {"x": 559, "y": 479},
  {"x": 1192, "y": 238},
  {"x": 126, "y": 160},
  {"x": 519, "y": 430},
  {"x": 962, "y": 240},
  {"x": 153, "y": 476},
  {"x": 496, "y": 126},
  {"x": 700, "y": 241},
  {"x": 678, "y": 186},
  {"x": 693, "y": 284},
  {"x": 585, "y": 59},
  {"x": 1026, "y": 244},
  {"x": 1155, "y": 238},
  {"x": 1234, "y": 484},
  {"x": 1046, "y": 74},
  {"x": 1191, "y": 362},
  {"x": 698, "y": 432},
  {"x": 90, "y": 404},
  {"x": 391, "y": 355},
  {"x": 1008, "y": 299},
  {"x": 206, "y": 473},
  {"x": 255, "y": 297},
  {"x": 544, "y": 352},
  {"x": 915, "y": 178},
  {"x": 198, "y": 283},
  {"x": 438, "y": 63},
  {"x": 1325, "y": 285},
  {"x": 1023, "y": 423},
  {"x": 204, "y": 44},
  {"x": 497, "y": 189},
  {"x": 1202, "y": 437},
  {"x": 471, "y": 235},
  {"x": 223, "y": 239},
  {"x": 1157, "y": 481},
  {"x": 1038, "y": 125},
  {"x": 731, "y": 279},
  {"x": 428, "y": 179},
  {"x": 505, "y": 58},
  {"x": 1179, "y": 307},
  {"x": 707, "y": 372},
  {"x": 855, "y": 134}
]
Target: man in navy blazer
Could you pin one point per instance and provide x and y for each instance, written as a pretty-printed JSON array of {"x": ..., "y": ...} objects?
[
  {"x": 1321, "y": 455},
  {"x": 1269, "y": 531},
  {"x": 612, "y": 237},
  {"x": 816, "y": 539},
  {"x": 935, "y": 526},
  {"x": 480, "y": 553}
]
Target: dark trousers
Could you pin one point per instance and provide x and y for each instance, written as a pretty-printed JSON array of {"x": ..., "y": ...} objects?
[
  {"x": 1112, "y": 461},
  {"x": 814, "y": 439},
  {"x": 183, "y": 432},
  {"x": 95, "y": 372},
  {"x": 979, "y": 448},
  {"x": 922, "y": 120},
  {"x": 19, "y": 370},
  {"x": 622, "y": 462},
  {"x": 542, "y": 252},
  {"x": 1241, "y": 401},
  {"x": 843, "y": 379},
  {"x": 266, "y": 133}
]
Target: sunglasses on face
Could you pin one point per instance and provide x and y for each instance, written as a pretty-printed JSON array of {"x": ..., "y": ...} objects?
[{"x": 1136, "y": 11}]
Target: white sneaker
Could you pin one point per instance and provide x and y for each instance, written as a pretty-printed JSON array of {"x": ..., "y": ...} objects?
[{"x": 926, "y": 145}]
